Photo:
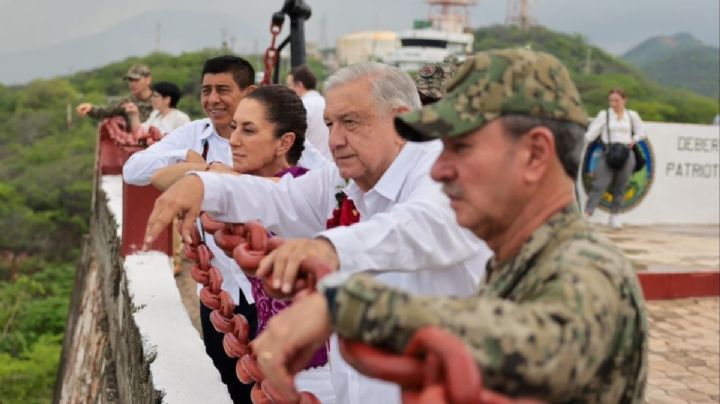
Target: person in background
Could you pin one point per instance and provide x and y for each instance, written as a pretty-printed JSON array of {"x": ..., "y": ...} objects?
[
  {"x": 303, "y": 82},
  {"x": 431, "y": 80},
  {"x": 139, "y": 80},
  {"x": 561, "y": 316},
  {"x": 616, "y": 125},
  {"x": 165, "y": 116}
]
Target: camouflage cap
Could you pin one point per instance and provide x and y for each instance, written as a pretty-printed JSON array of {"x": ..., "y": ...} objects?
[
  {"x": 452, "y": 59},
  {"x": 431, "y": 80},
  {"x": 492, "y": 84},
  {"x": 137, "y": 72}
]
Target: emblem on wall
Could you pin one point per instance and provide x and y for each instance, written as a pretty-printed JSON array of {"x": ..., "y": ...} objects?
[{"x": 640, "y": 182}]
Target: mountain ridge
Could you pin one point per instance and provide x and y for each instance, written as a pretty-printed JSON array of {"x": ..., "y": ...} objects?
[
  {"x": 679, "y": 60},
  {"x": 596, "y": 71},
  {"x": 133, "y": 36}
]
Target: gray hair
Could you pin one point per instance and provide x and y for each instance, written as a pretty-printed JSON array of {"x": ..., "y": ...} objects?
[
  {"x": 391, "y": 87},
  {"x": 569, "y": 138}
]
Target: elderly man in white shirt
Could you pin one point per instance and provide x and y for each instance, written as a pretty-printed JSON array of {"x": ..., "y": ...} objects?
[
  {"x": 407, "y": 236},
  {"x": 303, "y": 82}
]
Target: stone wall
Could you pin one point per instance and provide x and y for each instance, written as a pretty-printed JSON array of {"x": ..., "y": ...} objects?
[{"x": 128, "y": 337}]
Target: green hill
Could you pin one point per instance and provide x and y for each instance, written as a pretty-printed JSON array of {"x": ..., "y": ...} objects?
[
  {"x": 679, "y": 61},
  {"x": 596, "y": 72}
]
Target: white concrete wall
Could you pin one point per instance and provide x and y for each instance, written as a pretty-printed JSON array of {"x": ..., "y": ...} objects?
[
  {"x": 181, "y": 369},
  {"x": 686, "y": 183}
]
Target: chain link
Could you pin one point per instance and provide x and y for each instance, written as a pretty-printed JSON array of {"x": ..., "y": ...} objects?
[
  {"x": 116, "y": 128},
  {"x": 271, "y": 53},
  {"x": 250, "y": 243},
  {"x": 427, "y": 372}
]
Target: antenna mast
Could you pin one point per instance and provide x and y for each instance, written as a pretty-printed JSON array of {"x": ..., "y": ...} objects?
[
  {"x": 158, "y": 31},
  {"x": 518, "y": 14},
  {"x": 450, "y": 15}
]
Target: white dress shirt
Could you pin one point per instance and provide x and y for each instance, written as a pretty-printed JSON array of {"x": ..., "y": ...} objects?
[
  {"x": 317, "y": 132},
  {"x": 311, "y": 157},
  {"x": 619, "y": 129},
  {"x": 407, "y": 228},
  {"x": 166, "y": 123}
]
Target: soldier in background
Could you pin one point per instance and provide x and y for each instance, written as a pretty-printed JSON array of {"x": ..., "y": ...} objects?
[
  {"x": 431, "y": 80},
  {"x": 139, "y": 80},
  {"x": 560, "y": 316}
]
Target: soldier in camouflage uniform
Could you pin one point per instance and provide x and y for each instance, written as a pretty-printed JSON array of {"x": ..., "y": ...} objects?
[
  {"x": 139, "y": 80},
  {"x": 431, "y": 79},
  {"x": 560, "y": 316}
]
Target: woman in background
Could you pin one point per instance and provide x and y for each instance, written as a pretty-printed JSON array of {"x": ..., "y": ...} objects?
[
  {"x": 165, "y": 116},
  {"x": 616, "y": 125}
]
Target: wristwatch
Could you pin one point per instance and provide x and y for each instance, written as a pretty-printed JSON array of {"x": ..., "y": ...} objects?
[{"x": 328, "y": 287}]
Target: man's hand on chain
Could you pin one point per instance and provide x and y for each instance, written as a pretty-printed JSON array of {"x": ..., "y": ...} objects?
[{"x": 284, "y": 262}]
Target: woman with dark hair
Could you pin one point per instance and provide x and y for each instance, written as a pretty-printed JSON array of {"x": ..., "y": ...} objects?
[
  {"x": 268, "y": 132},
  {"x": 267, "y": 140},
  {"x": 619, "y": 129},
  {"x": 165, "y": 116}
]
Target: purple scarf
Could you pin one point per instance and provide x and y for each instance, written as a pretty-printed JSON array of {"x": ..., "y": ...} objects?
[{"x": 267, "y": 306}]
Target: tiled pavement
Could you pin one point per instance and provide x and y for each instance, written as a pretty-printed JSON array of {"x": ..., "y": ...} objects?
[
  {"x": 684, "y": 354},
  {"x": 669, "y": 248}
]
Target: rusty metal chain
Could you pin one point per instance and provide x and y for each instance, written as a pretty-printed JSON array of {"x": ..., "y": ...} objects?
[
  {"x": 435, "y": 368},
  {"x": 271, "y": 53},
  {"x": 248, "y": 244},
  {"x": 116, "y": 129},
  {"x": 428, "y": 372}
]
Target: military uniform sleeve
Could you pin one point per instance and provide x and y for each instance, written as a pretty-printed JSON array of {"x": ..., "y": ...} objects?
[
  {"x": 555, "y": 340},
  {"x": 112, "y": 109},
  {"x": 145, "y": 108}
]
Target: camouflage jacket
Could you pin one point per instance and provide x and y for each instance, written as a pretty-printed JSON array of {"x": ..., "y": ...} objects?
[
  {"x": 115, "y": 108},
  {"x": 562, "y": 321}
]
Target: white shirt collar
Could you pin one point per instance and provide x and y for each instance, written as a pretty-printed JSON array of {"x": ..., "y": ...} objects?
[
  {"x": 392, "y": 180},
  {"x": 626, "y": 113},
  {"x": 209, "y": 130},
  {"x": 311, "y": 94}
]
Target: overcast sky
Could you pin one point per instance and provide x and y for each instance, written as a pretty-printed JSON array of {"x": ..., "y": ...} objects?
[{"x": 615, "y": 25}]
